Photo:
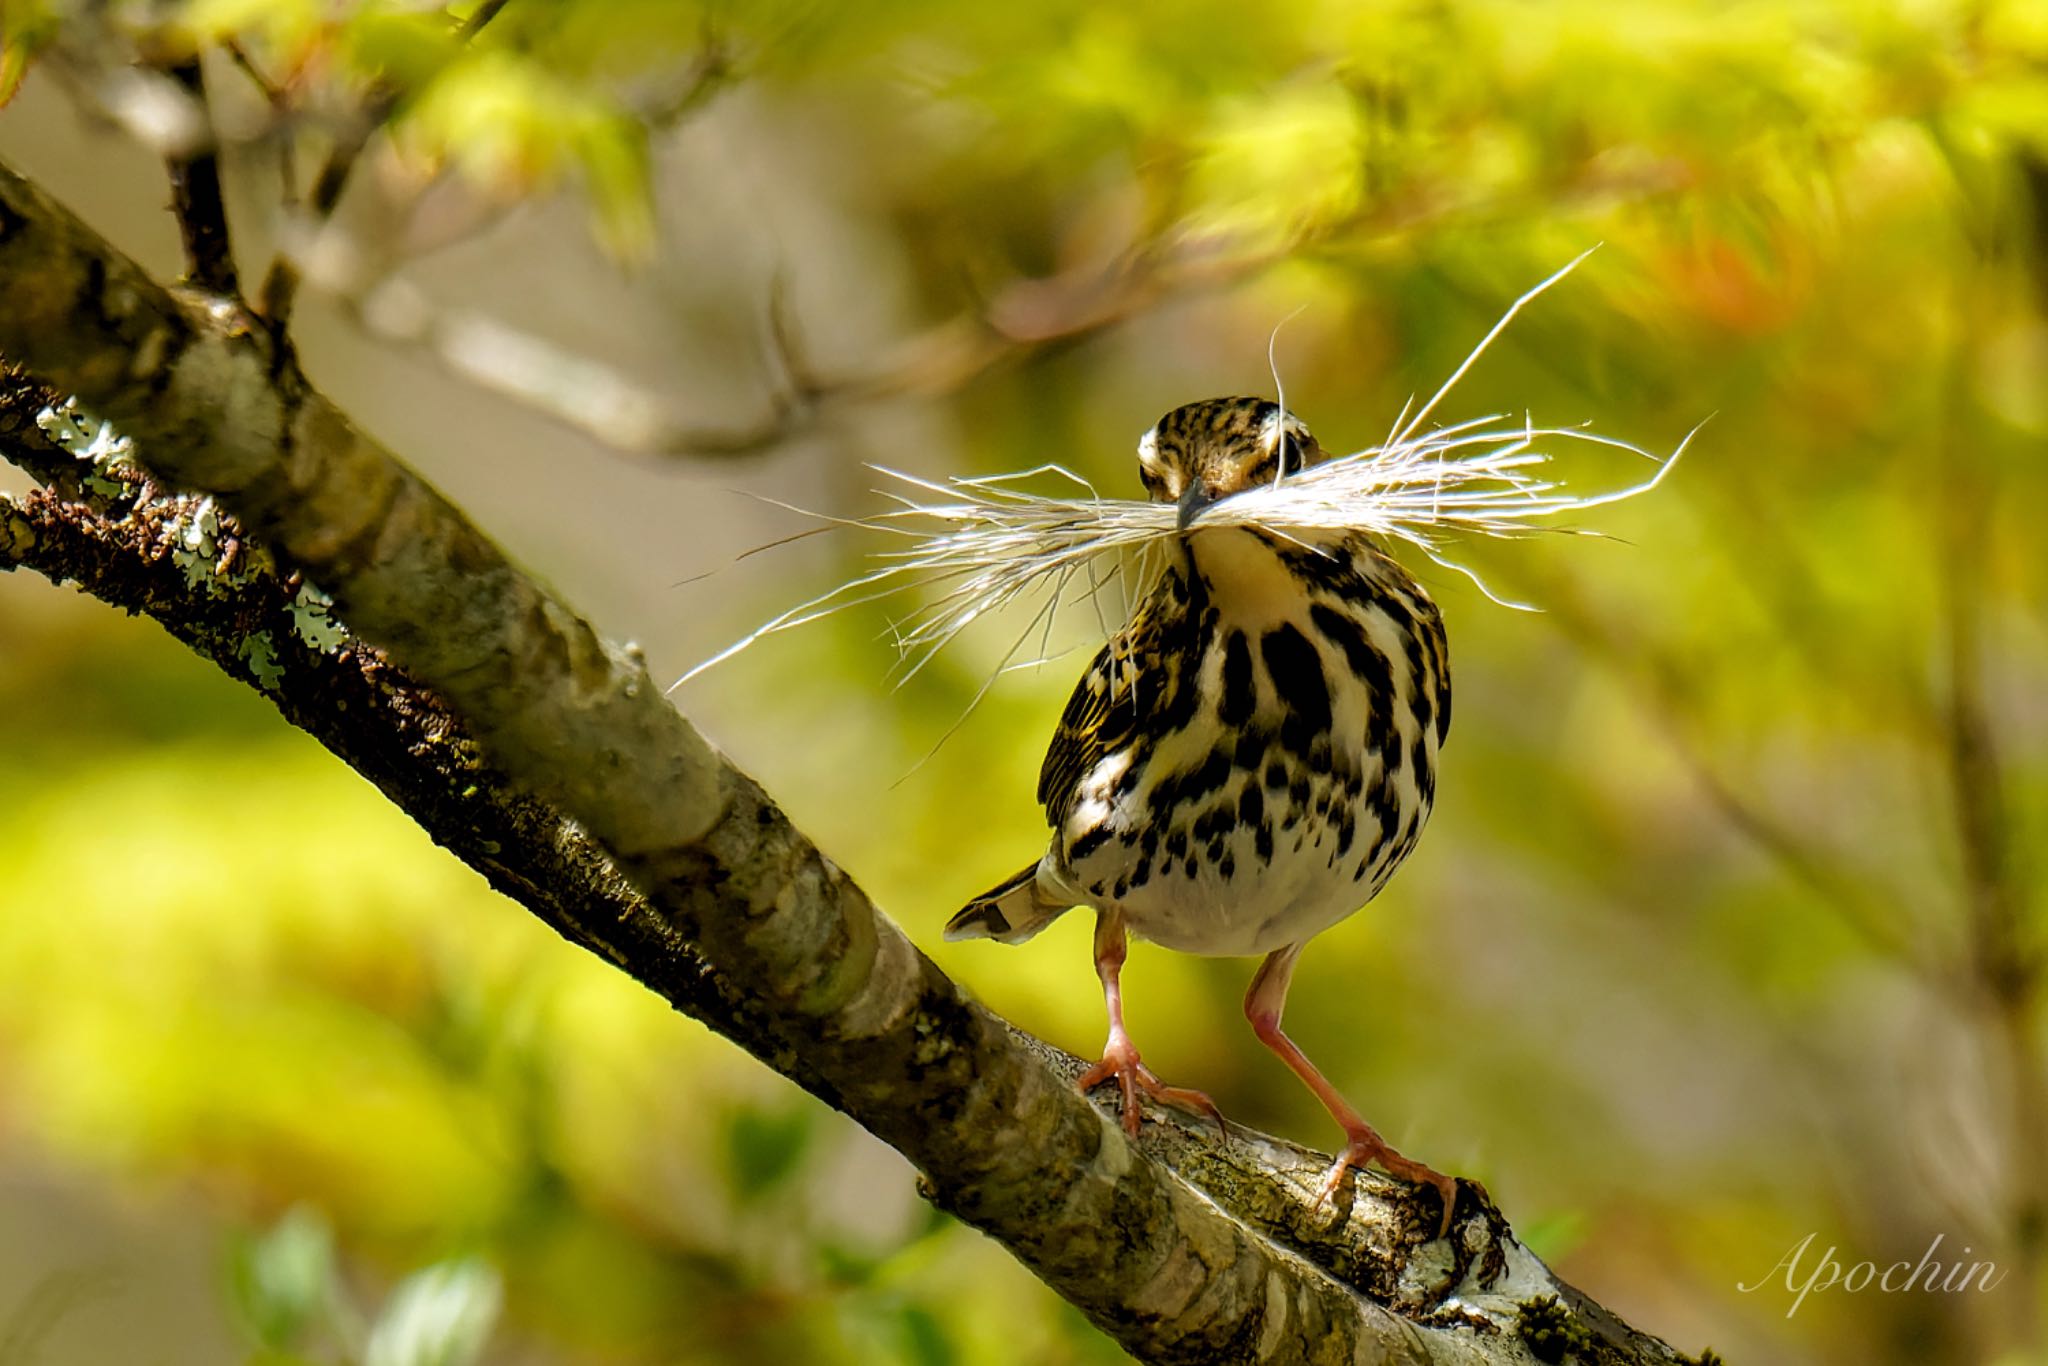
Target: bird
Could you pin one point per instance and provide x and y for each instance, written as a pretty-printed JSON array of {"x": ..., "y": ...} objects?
[{"x": 1245, "y": 762}]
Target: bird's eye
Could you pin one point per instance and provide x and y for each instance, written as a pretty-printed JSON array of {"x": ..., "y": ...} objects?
[
  {"x": 1290, "y": 452},
  {"x": 1293, "y": 442}
]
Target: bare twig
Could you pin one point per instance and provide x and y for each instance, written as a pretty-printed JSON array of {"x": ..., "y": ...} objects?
[
  {"x": 2004, "y": 968},
  {"x": 588, "y": 395},
  {"x": 196, "y": 197},
  {"x": 595, "y": 399},
  {"x": 281, "y": 282},
  {"x": 2001, "y": 964},
  {"x": 280, "y": 130},
  {"x": 715, "y": 67},
  {"x": 2000, "y": 961}
]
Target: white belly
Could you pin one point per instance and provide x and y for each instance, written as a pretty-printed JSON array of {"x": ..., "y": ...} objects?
[{"x": 1314, "y": 851}]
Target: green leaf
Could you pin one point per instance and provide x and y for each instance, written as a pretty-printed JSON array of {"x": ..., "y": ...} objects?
[
  {"x": 281, "y": 1282},
  {"x": 24, "y": 27},
  {"x": 765, "y": 1147},
  {"x": 925, "y": 1340},
  {"x": 512, "y": 126},
  {"x": 848, "y": 1266},
  {"x": 407, "y": 49},
  {"x": 612, "y": 154},
  {"x": 282, "y": 25},
  {"x": 1281, "y": 165},
  {"x": 441, "y": 1316}
]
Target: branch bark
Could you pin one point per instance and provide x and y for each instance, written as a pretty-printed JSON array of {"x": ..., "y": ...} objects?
[{"x": 546, "y": 757}]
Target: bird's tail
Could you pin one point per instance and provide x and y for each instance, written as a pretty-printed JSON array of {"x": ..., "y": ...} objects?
[{"x": 1010, "y": 912}]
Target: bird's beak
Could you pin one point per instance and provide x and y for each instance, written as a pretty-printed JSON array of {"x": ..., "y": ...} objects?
[{"x": 1192, "y": 502}]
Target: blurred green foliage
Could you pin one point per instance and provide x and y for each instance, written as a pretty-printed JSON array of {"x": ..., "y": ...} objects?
[
  {"x": 289, "y": 1296},
  {"x": 1728, "y": 929}
]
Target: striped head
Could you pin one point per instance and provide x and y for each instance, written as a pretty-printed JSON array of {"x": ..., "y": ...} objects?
[{"x": 1201, "y": 452}]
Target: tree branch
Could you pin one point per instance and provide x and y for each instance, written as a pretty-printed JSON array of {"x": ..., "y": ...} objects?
[{"x": 1183, "y": 1247}]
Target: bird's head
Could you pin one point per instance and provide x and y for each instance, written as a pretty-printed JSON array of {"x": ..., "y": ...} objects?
[{"x": 1202, "y": 452}]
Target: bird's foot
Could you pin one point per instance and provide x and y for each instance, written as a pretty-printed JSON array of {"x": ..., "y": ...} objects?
[
  {"x": 1120, "y": 1060},
  {"x": 1366, "y": 1146}
]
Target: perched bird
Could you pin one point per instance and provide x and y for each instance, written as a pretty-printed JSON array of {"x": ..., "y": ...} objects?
[{"x": 1247, "y": 761}]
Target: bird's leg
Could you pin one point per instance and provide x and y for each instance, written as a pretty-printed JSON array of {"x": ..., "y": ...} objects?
[
  {"x": 1263, "y": 1002},
  {"x": 1119, "y": 1054}
]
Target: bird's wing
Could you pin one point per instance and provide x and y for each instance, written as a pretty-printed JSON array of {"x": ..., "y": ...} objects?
[
  {"x": 1083, "y": 736},
  {"x": 1128, "y": 680}
]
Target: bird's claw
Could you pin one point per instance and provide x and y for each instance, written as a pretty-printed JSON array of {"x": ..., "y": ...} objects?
[
  {"x": 1133, "y": 1078},
  {"x": 1365, "y": 1147}
]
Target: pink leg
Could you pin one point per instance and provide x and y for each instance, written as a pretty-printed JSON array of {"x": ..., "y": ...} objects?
[
  {"x": 1263, "y": 1003},
  {"x": 1120, "y": 1055}
]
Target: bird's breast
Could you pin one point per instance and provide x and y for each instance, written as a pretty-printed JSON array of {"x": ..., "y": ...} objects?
[{"x": 1280, "y": 790}]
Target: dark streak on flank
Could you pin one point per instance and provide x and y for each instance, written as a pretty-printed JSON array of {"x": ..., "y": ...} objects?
[
  {"x": 1214, "y": 772},
  {"x": 1297, "y": 673},
  {"x": 1088, "y": 843},
  {"x": 1387, "y": 807},
  {"x": 1366, "y": 661},
  {"x": 1251, "y": 748},
  {"x": 1240, "y": 698},
  {"x": 1440, "y": 648}
]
